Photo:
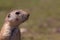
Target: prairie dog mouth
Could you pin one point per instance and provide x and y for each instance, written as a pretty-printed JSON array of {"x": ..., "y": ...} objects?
[{"x": 17, "y": 19}]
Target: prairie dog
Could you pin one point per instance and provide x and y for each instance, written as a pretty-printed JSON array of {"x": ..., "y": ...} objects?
[{"x": 10, "y": 29}]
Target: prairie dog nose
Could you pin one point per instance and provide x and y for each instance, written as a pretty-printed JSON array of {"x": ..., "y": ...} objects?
[
  {"x": 17, "y": 13},
  {"x": 28, "y": 15}
]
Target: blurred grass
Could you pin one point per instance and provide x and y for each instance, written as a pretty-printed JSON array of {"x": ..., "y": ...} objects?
[{"x": 44, "y": 18}]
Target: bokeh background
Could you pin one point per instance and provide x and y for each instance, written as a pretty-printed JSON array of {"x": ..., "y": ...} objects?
[{"x": 44, "y": 21}]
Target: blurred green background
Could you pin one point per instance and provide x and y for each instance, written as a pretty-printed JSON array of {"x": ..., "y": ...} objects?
[{"x": 44, "y": 21}]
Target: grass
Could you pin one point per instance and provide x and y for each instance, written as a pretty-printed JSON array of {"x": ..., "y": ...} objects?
[{"x": 44, "y": 18}]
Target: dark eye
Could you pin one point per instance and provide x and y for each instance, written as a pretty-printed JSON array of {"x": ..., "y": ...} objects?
[
  {"x": 8, "y": 15},
  {"x": 17, "y": 13}
]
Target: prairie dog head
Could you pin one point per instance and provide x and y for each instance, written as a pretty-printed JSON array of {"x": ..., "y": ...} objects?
[{"x": 17, "y": 17}]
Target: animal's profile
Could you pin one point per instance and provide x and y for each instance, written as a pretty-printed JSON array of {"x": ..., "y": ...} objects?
[{"x": 10, "y": 29}]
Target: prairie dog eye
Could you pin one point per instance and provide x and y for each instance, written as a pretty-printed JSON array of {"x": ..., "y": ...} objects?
[
  {"x": 17, "y": 13},
  {"x": 8, "y": 15}
]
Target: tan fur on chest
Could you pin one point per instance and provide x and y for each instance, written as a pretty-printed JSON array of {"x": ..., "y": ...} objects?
[{"x": 5, "y": 33}]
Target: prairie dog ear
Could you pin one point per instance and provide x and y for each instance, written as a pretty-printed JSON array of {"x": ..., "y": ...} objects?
[{"x": 8, "y": 16}]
